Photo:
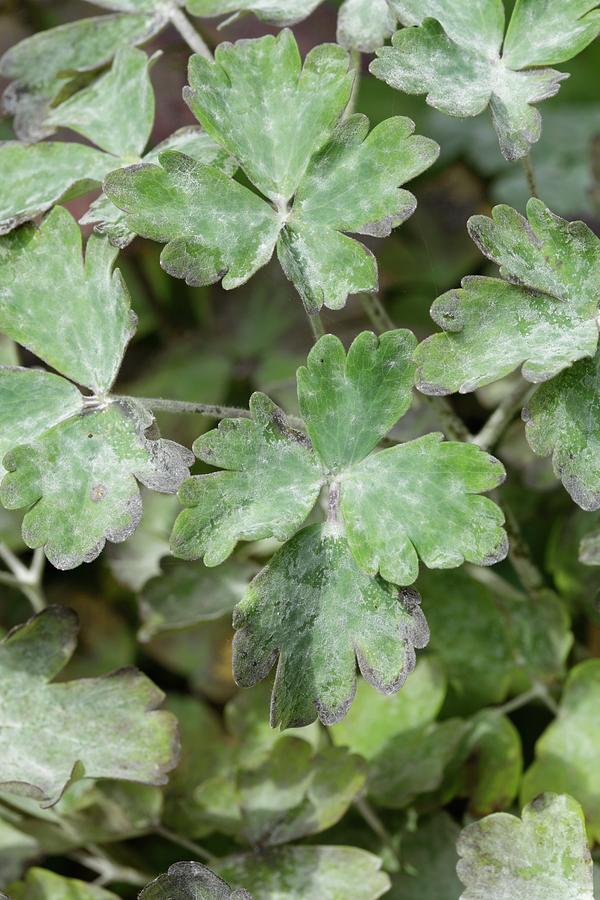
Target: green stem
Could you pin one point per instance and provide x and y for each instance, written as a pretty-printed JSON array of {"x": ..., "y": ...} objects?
[
  {"x": 376, "y": 825},
  {"x": 316, "y": 324},
  {"x": 452, "y": 425},
  {"x": 498, "y": 422},
  {"x": 530, "y": 175},
  {"x": 106, "y": 870},
  {"x": 192, "y": 846},
  {"x": 537, "y": 692},
  {"x": 212, "y": 411},
  {"x": 28, "y": 581},
  {"x": 520, "y": 558},
  {"x": 377, "y": 313},
  {"x": 356, "y": 67},
  {"x": 195, "y": 41}
]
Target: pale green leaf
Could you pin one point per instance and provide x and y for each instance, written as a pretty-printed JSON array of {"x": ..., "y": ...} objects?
[
  {"x": 456, "y": 55},
  {"x": 137, "y": 560},
  {"x": 275, "y": 12},
  {"x": 17, "y": 851},
  {"x": 563, "y": 420},
  {"x": 307, "y": 873},
  {"x": 551, "y": 34},
  {"x": 323, "y": 179},
  {"x": 544, "y": 856},
  {"x": 543, "y": 317},
  {"x": 393, "y": 503},
  {"x": 42, "y": 884},
  {"x": 365, "y": 25},
  {"x": 294, "y": 793},
  {"x": 429, "y": 857},
  {"x": 185, "y": 594},
  {"x": 44, "y": 65},
  {"x": 191, "y": 881},
  {"x": 108, "y": 219},
  {"x": 93, "y": 728},
  {"x": 116, "y": 112},
  {"x": 31, "y": 401},
  {"x": 350, "y": 402},
  {"x": 491, "y": 761},
  {"x": 84, "y": 339},
  {"x": 214, "y": 227},
  {"x": 271, "y": 483},
  {"x": 293, "y": 111},
  {"x": 293, "y": 612},
  {"x": 567, "y": 754},
  {"x": 79, "y": 480},
  {"x": 36, "y": 176},
  {"x": 374, "y": 719},
  {"x": 589, "y": 549}
]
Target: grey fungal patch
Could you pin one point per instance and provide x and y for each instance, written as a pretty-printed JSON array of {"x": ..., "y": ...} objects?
[
  {"x": 497, "y": 555},
  {"x": 98, "y": 493}
]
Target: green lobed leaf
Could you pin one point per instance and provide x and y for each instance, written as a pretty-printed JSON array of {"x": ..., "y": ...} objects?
[
  {"x": 116, "y": 112},
  {"x": 292, "y": 611},
  {"x": 295, "y": 793},
  {"x": 37, "y": 176},
  {"x": 275, "y": 12},
  {"x": 391, "y": 504},
  {"x": 108, "y": 219},
  {"x": 307, "y": 873},
  {"x": 186, "y": 880},
  {"x": 350, "y": 402},
  {"x": 464, "y": 69},
  {"x": 491, "y": 761},
  {"x": 138, "y": 559},
  {"x": 31, "y": 401},
  {"x": 566, "y": 755},
  {"x": 544, "y": 856},
  {"x": 186, "y": 594},
  {"x": 42, "y": 884},
  {"x": 271, "y": 483},
  {"x": 79, "y": 481},
  {"x": 365, "y": 25},
  {"x": 44, "y": 65},
  {"x": 429, "y": 856},
  {"x": 53, "y": 734},
  {"x": 542, "y": 317},
  {"x": 36, "y": 267},
  {"x": 563, "y": 420},
  {"x": 317, "y": 194}
]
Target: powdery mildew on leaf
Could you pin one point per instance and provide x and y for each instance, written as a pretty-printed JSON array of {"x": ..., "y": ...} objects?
[
  {"x": 271, "y": 483},
  {"x": 544, "y": 856},
  {"x": 80, "y": 481},
  {"x": 314, "y": 610},
  {"x": 456, "y": 54},
  {"x": 93, "y": 728},
  {"x": 42, "y": 66},
  {"x": 310, "y": 872},
  {"x": 191, "y": 881},
  {"x": 275, "y": 12},
  {"x": 313, "y": 175},
  {"x": 365, "y": 25},
  {"x": 393, "y": 503},
  {"x": 544, "y": 316},
  {"x": 84, "y": 339},
  {"x": 563, "y": 420}
]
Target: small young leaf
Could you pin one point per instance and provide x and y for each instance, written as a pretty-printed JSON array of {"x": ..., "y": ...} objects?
[
  {"x": 350, "y": 402},
  {"x": 116, "y": 112},
  {"x": 43, "y": 65},
  {"x": 567, "y": 754},
  {"x": 563, "y": 420},
  {"x": 270, "y": 485},
  {"x": 79, "y": 479},
  {"x": 463, "y": 69},
  {"x": 53, "y": 734},
  {"x": 337, "y": 180},
  {"x": 295, "y": 794},
  {"x": 543, "y": 317},
  {"x": 309, "y": 872},
  {"x": 37, "y": 176},
  {"x": 293, "y": 610},
  {"x": 41, "y": 884},
  {"x": 275, "y": 12},
  {"x": 365, "y": 25},
  {"x": 31, "y": 401},
  {"x": 187, "y": 880},
  {"x": 36, "y": 267},
  {"x": 544, "y": 856},
  {"x": 391, "y": 505}
]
